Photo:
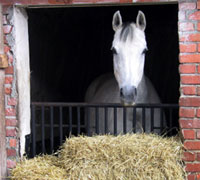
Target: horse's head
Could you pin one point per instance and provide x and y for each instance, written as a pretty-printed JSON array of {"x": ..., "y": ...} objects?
[{"x": 129, "y": 47}]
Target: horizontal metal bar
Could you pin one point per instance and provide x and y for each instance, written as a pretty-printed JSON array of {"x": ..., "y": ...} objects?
[
  {"x": 118, "y": 105},
  {"x": 57, "y": 126}
]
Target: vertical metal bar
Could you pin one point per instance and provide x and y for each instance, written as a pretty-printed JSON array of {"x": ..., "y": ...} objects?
[
  {"x": 170, "y": 120},
  {"x": 51, "y": 129},
  {"x": 88, "y": 120},
  {"x": 61, "y": 124},
  {"x": 43, "y": 128},
  {"x": 152, "y": 119},
  {"x": 97, "y": 119},
  {"x": 106, "y": 119},
  {"x": 115, "y": 120},
  {"x": 78, "y": 120},
  {"x": 33, "y": 131},
  {"x": 144, "y": 118},
  {"x": 124, "y": 120},
  {"x": 70, "y": 120},
  {"x": 161, "y": 119},
  {"x": 134, "y": 119}
]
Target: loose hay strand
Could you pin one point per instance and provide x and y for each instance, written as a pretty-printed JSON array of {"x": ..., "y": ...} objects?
[{"x": 107, "y": 157}]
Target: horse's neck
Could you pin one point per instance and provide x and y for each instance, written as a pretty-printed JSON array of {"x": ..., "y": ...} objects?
[{"x": 146, "y": 92}]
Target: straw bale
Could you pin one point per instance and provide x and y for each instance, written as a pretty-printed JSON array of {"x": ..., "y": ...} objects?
[
  {"x": 39, "y": 168},
  {"x": 130, "y": 156},
  {"x": 107, "y": 157}
]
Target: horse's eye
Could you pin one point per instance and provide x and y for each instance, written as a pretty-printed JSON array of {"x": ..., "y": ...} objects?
[
  {"x": 144, "y": 51},
  {"x": 114, "y": 51}
]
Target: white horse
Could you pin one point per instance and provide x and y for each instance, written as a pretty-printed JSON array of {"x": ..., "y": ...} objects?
[{"x": 128, "y": 85}]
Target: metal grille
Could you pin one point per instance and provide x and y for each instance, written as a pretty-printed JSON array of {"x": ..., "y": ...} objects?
[{"x": 51, "y": 123}]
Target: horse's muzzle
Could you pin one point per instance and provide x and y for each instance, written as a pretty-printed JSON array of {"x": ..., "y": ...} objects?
[{"x": 128, "y": 95}]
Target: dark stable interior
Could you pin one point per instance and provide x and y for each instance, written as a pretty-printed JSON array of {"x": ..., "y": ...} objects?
[{"x": 70, "y": 47}]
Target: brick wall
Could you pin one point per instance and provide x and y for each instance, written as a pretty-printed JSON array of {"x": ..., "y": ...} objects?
[
  {"x": 189, "y": 43},
  {"x": 10, "y": 93}
]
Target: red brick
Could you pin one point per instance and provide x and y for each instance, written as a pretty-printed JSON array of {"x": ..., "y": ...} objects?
[
  {"x": 6, "y": 49},
  {"x": 195, "y": 16},
  {"x": 13, "y": 143},
  {"x": 190, "y": 37},
  {"x": 5, "y": 20},
  {"x": 7, "y": 29},
  {"x": 11, "y": 164},
  {"x": 187, "y": 6},
  {"x": 192, "y": 145},
  {"x": 192, "y": 167},
  {"x": 11, "y": 152},
  {"x": 189, "y": 90},
  {"x": 186, "y": 26},
  {"x": 10, "y": 58},
  {"x": 186, "y": 112},
  {"x": 8, "y": 80},
  {"x": 189, "y": 123},
  {"x": 9, "y": 70},
  {"x": 188, "y": 156},
  {"x": 8, "y": 90},
  {"x": 10, "y": 112},
  {"x": 12, "y": 101},
  {"x": 198, "y": 112},
  {"x": 198, "y": 134},
  {"x": 10, "y": 132},
  {"x": 188, "y": 48},
  {"x": 11, "y": 122},
  {"x": 189, "y": 101},
  {"x": 193, "y": 79},
  {"x": 187, "y": 69},
  {"x": 188, "y": 134},
  {"x": 198, "y": 5},
  {"x": 191, "y": 177},
  {"x": 198, "y": 91},
  {"x": 198, "y": 26},
  {"x": 190, "y": 58}
]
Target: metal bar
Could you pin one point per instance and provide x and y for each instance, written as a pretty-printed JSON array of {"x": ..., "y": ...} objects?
[
  {"x": 97, "y": 120},
  {"x": 152, "y": 119},
  {"x": 134, "y": 119},
  {"x": 170, "y": 120},
  {"x": 78, "y": 120},
  {"x": 144, "y": 119},
  {"x": 88, "y": 120},
  {"x": 61, "y": 124},
  {"x": 161, "y": 120},
  {"x": 103, "y": 105},
  {"x": 33, "y": 131},
  {"x": 124, "y": 120},
  {"x": 70, "y": 119},
  {"x": 106, "y": 119},
  {"x": 115, "y": 120},
  {"x": 43, "y": 130},
  {"x": 51, "y": 129}
]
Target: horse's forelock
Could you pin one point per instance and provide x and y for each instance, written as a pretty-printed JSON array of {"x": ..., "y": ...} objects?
[{"x": 126, "y": 32}]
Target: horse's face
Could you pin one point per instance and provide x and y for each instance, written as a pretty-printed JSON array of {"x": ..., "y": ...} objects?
[{"x": 129, "y": 46}]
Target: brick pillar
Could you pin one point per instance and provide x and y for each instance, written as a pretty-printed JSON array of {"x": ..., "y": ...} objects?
[
  {"x": 12, "y": 140},
  {"x": 189, "y": 44}
]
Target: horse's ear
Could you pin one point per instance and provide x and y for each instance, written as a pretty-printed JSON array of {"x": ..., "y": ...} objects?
[
  {"x": 117, "y": 21},
  {"x": 141, "y": 21}
]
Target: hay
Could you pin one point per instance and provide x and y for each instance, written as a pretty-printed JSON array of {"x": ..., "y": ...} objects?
[
  {"x": 123, "y": 157},
  {"x": 39, "y": 168}
]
